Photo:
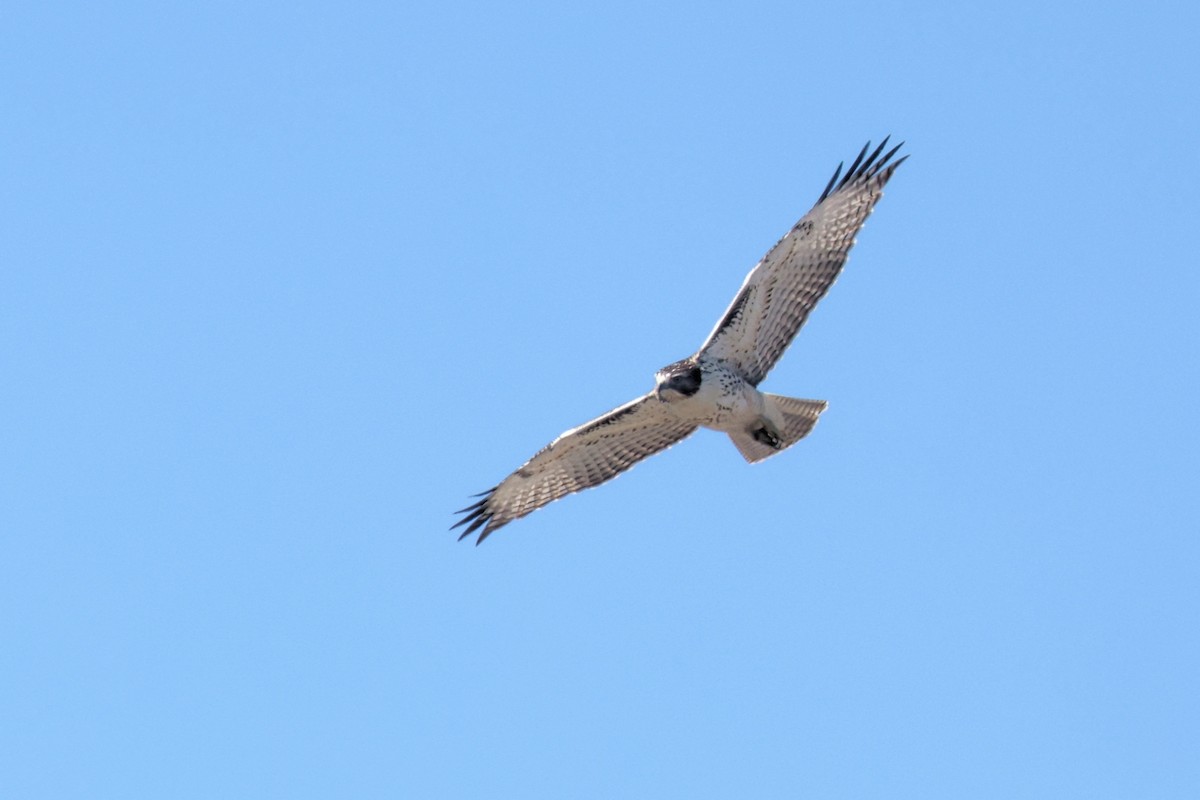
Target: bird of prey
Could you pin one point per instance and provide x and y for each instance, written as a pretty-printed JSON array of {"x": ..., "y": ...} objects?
[{"x": 717, "y": 387}]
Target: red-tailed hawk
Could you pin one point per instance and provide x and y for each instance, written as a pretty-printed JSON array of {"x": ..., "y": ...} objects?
[{"x": 717, "y": 387}]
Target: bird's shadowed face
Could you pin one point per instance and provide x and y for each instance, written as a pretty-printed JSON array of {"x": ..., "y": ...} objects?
[{"x": 681, "y": 379}]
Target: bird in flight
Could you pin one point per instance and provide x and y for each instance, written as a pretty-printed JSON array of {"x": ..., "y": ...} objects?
[{"x": 717, "y": 387}]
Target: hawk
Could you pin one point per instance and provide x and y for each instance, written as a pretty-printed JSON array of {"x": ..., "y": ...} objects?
[{"x": 717, "y": 387}]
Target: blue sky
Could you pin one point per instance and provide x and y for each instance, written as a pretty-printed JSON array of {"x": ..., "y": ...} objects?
[{"x": 281, "y": 285}]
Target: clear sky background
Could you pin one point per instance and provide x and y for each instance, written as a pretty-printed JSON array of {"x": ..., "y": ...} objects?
[{"x": 282, "y": 285}]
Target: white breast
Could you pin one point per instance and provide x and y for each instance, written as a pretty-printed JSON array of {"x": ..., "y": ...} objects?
[{"x": 725, "y": 401}]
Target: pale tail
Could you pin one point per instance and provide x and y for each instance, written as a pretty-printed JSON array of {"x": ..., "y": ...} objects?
[{"x": 793, "y": 418}]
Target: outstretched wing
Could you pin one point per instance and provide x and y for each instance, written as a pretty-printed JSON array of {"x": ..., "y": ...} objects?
[
  {"x": 579, "y": 459},
  {"x": 784, "y": 287}
]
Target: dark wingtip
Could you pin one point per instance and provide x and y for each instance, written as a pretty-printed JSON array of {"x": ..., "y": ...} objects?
[
  {"x": 857, "y": 161},
  {"x": 888, "y": 156},
  {"x": 475, "y": 516},
  {"x": 865, "y": 167},
  {"x": 470, "y": 508},
  {"x": 829, "y": 186},
  {"x": 476, "y": 519}
]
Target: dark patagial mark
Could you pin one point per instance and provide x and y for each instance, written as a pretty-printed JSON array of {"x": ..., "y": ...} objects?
[
  {"x": 735, "y": 310},
  {"x": 609, "y": 419}
]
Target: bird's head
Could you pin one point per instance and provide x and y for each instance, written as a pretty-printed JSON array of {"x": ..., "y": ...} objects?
[{"x": 678, "y": 380}]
